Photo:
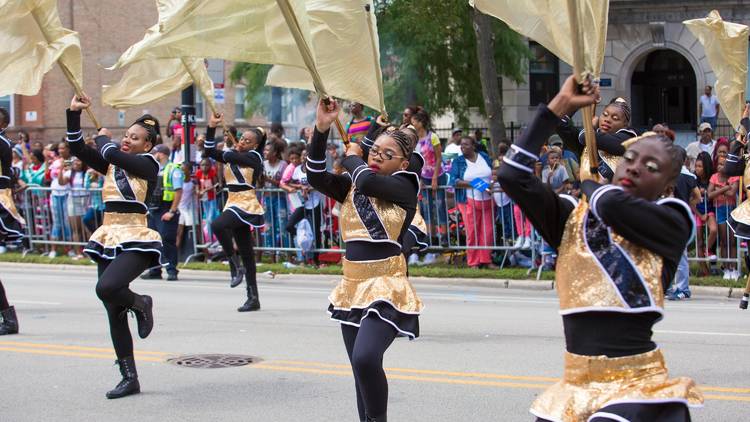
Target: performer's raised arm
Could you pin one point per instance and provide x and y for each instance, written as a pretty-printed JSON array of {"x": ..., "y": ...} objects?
[
  {"x": 547, "y": 210},
  {"x": 332, "y": 185}
]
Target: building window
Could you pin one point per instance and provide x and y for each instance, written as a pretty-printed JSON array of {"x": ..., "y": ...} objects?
[
  {"x": 200, "y": 107},
  {"x": 544, "y": 75},
  {"x": 6, "y": 102},
  {"x": 239, "y": 103}
]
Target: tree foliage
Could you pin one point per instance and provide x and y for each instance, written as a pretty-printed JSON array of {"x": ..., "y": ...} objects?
[{"x": 429, "y": 55}]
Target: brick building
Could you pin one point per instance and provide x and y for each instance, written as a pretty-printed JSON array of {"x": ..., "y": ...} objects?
[{"x": 107, "y": 28}]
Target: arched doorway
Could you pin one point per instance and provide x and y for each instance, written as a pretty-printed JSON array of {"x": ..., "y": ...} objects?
[{"x": 663, "y": 90}]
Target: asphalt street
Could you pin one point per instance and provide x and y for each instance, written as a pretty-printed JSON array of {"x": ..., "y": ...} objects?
[{"x": 484, "y": 355}]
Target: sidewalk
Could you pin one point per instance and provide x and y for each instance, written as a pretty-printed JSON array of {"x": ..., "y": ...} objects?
[{"x": 263, "y": 277}]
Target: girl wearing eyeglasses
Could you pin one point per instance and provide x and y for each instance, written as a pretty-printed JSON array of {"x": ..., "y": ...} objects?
[{"x": 374, "y": 302}]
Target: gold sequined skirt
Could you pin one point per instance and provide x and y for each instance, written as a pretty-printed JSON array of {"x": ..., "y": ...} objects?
[
  {"x": 377, "y": 287},
  {"x": 593, "y": 382},
  {"x": 11, "y": 222},
  {"x": 124, "y": 232},
  {"x": 246, "y": 206}
]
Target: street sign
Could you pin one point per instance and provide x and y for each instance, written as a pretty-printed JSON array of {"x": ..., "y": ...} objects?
[
  {"x": 216, "y": 72},
  {"x": 219, "y": 95}
]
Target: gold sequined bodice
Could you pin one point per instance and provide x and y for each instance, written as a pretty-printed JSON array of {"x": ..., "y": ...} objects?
[
  {"x": 119, "y": 186},
  {"x": 234, "y": 175},
  {"x": 370, "y": 219},
  {"x": 597, "y": 269}
]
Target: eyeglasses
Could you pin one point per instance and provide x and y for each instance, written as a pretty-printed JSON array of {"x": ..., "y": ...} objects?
[{"x": 384, "y": 155}]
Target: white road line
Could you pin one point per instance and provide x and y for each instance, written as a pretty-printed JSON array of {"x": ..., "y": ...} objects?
[
  {"x": 36, "y": 302},
  {"x": 702, "y": 333}
]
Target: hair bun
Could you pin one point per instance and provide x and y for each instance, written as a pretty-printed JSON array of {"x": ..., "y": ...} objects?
[{"x": 151, "y": 124}]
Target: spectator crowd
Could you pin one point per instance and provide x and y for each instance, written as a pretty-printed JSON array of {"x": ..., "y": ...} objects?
[{"x": 466, "y": 213}]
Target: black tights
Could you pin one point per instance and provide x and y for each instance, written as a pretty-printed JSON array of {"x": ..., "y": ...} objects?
[
  {"x": 365, "y": 346},
  {"x": 113, "y": 289},
  {"x": 3, "y": 298},
  {"x": 228, "y": 226}
]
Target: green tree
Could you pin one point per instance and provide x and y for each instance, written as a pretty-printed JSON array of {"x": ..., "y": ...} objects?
[
  {"x": 259, "y": 98},
  {"x": 429, "y": 55}
]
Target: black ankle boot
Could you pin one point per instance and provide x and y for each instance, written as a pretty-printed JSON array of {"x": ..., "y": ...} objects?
[
  {"x": 129, "y": 384},
  {"x": 10, "y": 322},
  {"x": 144, "y": 314},
  {"x": 381, "y": 418},
  {"x": 239, "y": 271},
  {"x": 252, "y": 303}
]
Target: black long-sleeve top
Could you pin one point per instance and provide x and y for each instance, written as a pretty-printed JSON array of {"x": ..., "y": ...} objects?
[
  {"x": 107, "y": 153},
  {"x": 574, "y": 138},
  {"x": 664, "y": 229},
  {"x": 735, "y": 164},
  {"x": 251, "y": 159},
  {"x": 401, "y": 188},
  {"x": 6, "y": 161}
]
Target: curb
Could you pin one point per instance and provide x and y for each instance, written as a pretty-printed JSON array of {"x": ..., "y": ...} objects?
[{"x": 541, "y": 285}]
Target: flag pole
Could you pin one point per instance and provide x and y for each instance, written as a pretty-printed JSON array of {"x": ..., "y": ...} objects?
[
  {"x": 79, "y": 92},
  {"x": 578, "y": 69},
  {"x": 307, "y": 57},
  {"x": 211, "y": 104}
]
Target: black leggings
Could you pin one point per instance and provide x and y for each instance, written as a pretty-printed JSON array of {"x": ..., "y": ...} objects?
[
  {"x": 3, "y": 298},
  {"x": 113, "y": 289},
  {"x": 365, "y": 346},
  {"x": 228, "y": 226},
  {"x": 640, "y": 412}
]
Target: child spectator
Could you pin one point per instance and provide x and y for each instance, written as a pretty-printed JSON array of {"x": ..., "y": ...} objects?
[
  {"x": 93, "y": 182},
  {"x": 207, "y": 182},
  {"x": 274, "y": 201},
  {"x": 554, "y": 174},
  {"x": 187, "y": 204},
  {"x": 705, "y": 213},
  {"x": 723, "y": 192}
]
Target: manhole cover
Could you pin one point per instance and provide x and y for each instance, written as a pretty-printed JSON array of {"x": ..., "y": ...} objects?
[{"x": 213, "y": 361}]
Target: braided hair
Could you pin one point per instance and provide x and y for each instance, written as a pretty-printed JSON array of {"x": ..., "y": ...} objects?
[
  {"x": 151, "y": 124},
  {"x": 623, "y": 106}
]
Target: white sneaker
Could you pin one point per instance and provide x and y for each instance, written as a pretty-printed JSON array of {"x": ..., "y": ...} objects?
[
  {"x": 71, "y": 253},
  {"x": 429, "y": 259},
  {"x": 3, "y": 249},
  {"x": 414, "y": 259},
  {"x": 526, "y": 243},
  {"x": 519, "y": 242},
  {"x": 712, "y": 258},
  {"x": 52, "y": 254}
]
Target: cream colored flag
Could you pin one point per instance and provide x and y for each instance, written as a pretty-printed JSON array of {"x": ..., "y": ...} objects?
[
  {"x": 32, "y": 40},
  {"x": 252, "y": 31},
  {"x": 725, "y": 44},
  {"x": 347, "y": 53},
  {"x": 548, "y": 23},
  {"x": 147, "y": 81}
]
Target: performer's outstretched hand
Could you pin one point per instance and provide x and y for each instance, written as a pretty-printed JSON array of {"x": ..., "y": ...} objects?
[
  {"x": 328, "y": 112},
  {"x": 80, "y": 103},
  {"x": 215, "y": 120},
  {"x": 570, "y": 98}
]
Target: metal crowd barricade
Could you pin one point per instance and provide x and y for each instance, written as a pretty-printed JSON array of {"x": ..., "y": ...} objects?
[
  {"x": 53, "y": 220},
  {"x": 60, "y": 217},
  {"x": 715, "y": 243}
]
